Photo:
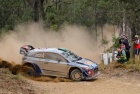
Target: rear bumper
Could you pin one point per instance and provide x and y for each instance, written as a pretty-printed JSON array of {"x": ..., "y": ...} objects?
[{"x": 92, "y": 77}]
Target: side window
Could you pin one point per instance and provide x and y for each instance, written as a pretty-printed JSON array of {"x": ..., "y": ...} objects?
[
  {"x": 56, "y": 57},
  {"x": 48, "y": 56},
  {"x": 38, "y": 55}
]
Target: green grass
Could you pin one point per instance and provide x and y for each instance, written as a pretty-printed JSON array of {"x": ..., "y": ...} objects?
[{"x": 17, "y": 77}]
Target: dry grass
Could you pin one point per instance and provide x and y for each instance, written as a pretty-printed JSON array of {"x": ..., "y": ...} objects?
[
  {"x": 114, "y": 69},
  {"x": 131, "y": 64}
]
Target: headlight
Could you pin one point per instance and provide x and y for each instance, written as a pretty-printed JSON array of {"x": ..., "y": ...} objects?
[{"x": 91, "y": 72}]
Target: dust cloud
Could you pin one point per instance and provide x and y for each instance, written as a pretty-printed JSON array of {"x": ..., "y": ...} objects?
[{"x": 75, "y": 38}]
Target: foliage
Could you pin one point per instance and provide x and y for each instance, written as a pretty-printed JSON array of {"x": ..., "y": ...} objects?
[
  {"x": 104, "y": 43},
  {"x": 115, "y": 41},
  {"x": 54, "y": 13},
  {"x": 12, "y": 12}
]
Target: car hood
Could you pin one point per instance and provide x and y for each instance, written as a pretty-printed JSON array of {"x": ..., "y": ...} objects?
[{"x": 87, "y": 62}]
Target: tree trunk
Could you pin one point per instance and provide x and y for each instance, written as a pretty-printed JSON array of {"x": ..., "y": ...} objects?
[
  {"x": 113, "y": 49},
  {"x": 124, "y": 26},
  {"x": 124, "y": 22},
  {"x": 133, "y": 31},
  {"x": 102, "y": 32},
  {"x": 96, "y": 32},
  {"x": 36, "y": 12},
  {"x": 42, "y": 9}
]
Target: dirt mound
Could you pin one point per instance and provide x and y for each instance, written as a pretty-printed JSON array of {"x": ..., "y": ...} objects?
[{"x": 14, "y": 84}]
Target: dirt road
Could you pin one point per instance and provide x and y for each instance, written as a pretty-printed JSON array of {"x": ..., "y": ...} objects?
[{"x": 100, "y": 86}]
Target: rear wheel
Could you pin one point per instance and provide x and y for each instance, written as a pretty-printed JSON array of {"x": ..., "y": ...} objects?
[
  {"x": 28, "y": 71},
  {"x": 76, "y": 75}
]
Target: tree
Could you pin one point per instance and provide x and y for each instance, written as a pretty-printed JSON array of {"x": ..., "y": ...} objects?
[
  {"x": 36, "y": 11},
  {"x": 90, "y": 13}
]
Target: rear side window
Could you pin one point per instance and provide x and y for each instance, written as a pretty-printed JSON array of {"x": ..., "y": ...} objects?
[
  {"x": 56, "y": 57},
  {"x": 38, "y": 55}
]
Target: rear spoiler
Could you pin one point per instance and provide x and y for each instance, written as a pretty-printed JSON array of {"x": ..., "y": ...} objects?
[{"x": 25, "y": 49}]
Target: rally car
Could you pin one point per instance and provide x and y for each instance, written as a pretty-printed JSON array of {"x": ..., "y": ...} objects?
[{"x": 58, "y": 62}]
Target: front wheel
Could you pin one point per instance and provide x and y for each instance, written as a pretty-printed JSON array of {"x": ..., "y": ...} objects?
[{"x": 76, "y": 75}]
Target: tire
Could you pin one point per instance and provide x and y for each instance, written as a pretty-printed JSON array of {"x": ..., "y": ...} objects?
[
  {"x": 28, "y": 71},
  {"x": 76, "y": 75}
]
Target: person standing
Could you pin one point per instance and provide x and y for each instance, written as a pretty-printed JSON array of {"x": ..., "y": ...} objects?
[{"x": 136, "y": 47}]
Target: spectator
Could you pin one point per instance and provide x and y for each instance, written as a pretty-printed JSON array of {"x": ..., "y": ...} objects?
[
  {"x": 122, "y": 46},
  {"x": 121, "y": 56},
  {"x": 136, "y": 47},
  {"x": 124, "y": 41}
]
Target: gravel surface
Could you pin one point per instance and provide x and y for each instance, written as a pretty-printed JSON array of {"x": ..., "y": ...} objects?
[{"x": 102, "y": 85}]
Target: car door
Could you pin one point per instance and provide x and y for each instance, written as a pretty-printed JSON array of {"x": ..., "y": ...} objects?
[
  {"x": 55, "y": 65},
  {"x": 39, "y": 59}
]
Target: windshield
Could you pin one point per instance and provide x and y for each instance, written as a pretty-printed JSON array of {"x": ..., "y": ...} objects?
[{"x": 71, "y": 56}]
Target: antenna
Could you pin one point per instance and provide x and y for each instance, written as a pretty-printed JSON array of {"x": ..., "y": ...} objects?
[{"x": 45, "y": 43}]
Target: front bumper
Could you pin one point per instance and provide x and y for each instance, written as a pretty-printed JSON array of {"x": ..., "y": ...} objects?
[{"x": 92, "y": 77}]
